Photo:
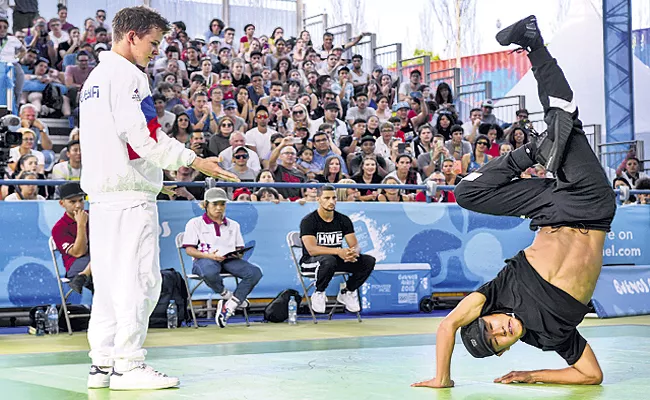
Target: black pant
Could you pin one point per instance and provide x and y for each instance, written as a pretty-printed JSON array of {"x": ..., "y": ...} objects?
[
  {"x": 579, "y": 196},
  {"x": 325, "y": 266}
]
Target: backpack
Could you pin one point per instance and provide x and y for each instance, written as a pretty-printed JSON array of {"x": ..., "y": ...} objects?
[
  {"x": 52, "y": 97},
  {"x": 77, "y": 324},
  {"x": 278, "y": 308},
  {"x": 173, "y": 288}
]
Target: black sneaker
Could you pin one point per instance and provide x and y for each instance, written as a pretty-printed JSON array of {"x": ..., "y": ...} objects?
[
  {"x": 78, "y": 282},
  {"x": 524, "y": 33}
]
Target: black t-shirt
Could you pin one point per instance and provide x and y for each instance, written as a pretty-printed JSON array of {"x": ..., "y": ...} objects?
[
  {"x": 549, "y": 314},
  {"x": 191, "y": 68},
  {"x": 243, "y": 81},
  {"x": 359, "y": 179},
  {"x": 283, "y": 174},
  {"x": 327, "y": 234}
]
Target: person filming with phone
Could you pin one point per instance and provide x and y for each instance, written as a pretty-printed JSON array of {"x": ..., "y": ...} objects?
[
  {"x": 432, "y": 160},
  {"x": 286, "y": 170},
  {"x": 217, "y": 245}
]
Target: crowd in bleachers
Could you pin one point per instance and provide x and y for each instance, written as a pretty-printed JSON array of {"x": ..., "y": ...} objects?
[{"x": 273, "y": 108}]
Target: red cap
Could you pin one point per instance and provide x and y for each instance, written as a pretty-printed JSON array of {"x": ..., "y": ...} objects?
[{"x": 239, "y": 192}]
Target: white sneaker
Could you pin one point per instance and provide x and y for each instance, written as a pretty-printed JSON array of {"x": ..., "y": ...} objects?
[
  {"x": 350, "y": 300},
  {"x": 318, "y": 302},
  {"x": 142, "y": 377},
  {"x": 99, "y": 377},
  {"x": 226, "y": 295}
]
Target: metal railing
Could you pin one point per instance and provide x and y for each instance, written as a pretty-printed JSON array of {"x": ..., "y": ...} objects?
[
  {"x": 612, "y": 154},
  {"x": 388, "y": 56},
  {"x": 407, "y": 65},
  {"x": 365, "y": 49},
  {"x": 316, "y": 25},
  {"x": 471, "y": 95},
  {"x": 342, "y": 34},
  {"x": 594, "y": 135},
  {"x": 505, "y": 108},
  {"x": 450, "y": 76}
]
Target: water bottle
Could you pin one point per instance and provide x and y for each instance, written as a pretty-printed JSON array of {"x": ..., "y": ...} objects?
[
  {"x": 52, "y": 320},
  {"x": 293, "y": 311},
  {"x": 172, "y": 315},
  {"x": 39, "y": 317}
]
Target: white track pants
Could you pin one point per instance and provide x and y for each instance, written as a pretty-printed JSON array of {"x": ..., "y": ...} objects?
[{"x": 126, "y": 274}]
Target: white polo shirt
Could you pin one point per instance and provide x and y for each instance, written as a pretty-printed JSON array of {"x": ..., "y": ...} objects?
[{"x": 208, "y": 236}]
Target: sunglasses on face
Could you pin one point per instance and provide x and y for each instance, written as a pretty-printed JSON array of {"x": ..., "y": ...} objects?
[
  {"x": 298, "y": 112},
  {"x": 262, "y": 117},
  {"x": 483, "y": 143},
  {"x": 241, "y": 156},
  {"x": 226, "y": 125}
]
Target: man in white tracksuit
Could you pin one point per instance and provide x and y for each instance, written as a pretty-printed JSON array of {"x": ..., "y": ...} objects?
[{"x": 124, "y": 154}]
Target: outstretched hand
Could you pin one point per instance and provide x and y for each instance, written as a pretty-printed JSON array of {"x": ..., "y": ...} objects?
[
  {"x": 210, "y": 167},
  {"x": 516, "y": 377},
  {"x": 435, "y": 383}
]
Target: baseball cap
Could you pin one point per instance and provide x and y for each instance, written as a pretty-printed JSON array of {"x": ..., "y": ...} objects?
[
  {"x": 400, "y": 105},
  {"x": 239, "y": 192},
  {"x": 415, "y": 95},
  {"x": 236, "y": 149},
  {"x": 214, "y": 39},
  {"x": 230, "y": 103},
  {"x": 101, "y": 46},
  {"x": 72, "y": 143},
  {"x": 69, "y": 190},
  {"x": 367, "y": 138},
  {"x": 473, "y": 336},
  {"x": 275, "y": 100},
  {"x": 488, "y": 103},
  {"x": 215, "y": 194},
  {"x": 378, "y": 68},
  {"x": 332, "y": 106}
]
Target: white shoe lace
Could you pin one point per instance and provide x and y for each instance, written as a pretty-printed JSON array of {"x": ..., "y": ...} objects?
[{"x": 152, "y": 371}]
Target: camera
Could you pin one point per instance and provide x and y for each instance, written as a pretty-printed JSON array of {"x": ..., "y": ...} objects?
[{"x": 9, "y": 136}]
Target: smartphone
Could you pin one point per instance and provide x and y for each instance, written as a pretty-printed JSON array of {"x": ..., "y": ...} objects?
[
  {"x": 296, "y": 140},
  {"x": 401, "y": 148}
]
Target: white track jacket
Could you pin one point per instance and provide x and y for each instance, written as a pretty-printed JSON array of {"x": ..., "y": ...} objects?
[{"x": 124, "y": 150}]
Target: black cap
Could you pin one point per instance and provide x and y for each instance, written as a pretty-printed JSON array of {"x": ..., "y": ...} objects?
[
  {"x": 367, "y": 138},
  {"x": 69, "y": 190},
  {"x": 473, "y": 336},
  {"x": 72, "y": 143},
  {"x": 332, "y": 106}
]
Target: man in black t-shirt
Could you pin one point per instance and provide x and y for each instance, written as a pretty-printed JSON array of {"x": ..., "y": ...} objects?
[
  {"x": 322, "y": 233},
  {"x": 541, "y": 295}
]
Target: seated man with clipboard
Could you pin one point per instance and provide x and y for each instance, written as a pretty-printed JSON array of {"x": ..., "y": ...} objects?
[{"x": 216, "y": 244}]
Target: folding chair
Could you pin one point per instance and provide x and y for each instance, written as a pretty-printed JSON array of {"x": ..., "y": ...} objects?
[
  {"x": 295, "y": 244},
  {"x": 195, "y": 277},
  {"x": 60, "y": 280}
]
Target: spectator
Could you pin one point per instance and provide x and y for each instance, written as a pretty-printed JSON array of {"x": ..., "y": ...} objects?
[
  {"x": 216, "y": 104},
  {"x": 42, "y": 79},
  {"x": 347, "y": 194},
  {"x": 215, "y": 30},
  {"x": 221, "y": 140},
  {"x": 229, "y": 39},
  {"x": 100, "y": 20},
  {"x": 69, "y": 170},
  {"x": 273, "y": 59},
  {"x": 383, "y": 110},
  {"x": 172, "y": 53},
  {"x": 433, "y": 160},
  {"x": 632, "y": 172},
  {"x": 275, "y": 92},
  {"x": 322, "y": 233},
  {"x": 643, "y": 184},
  {"x": 361, "y": 111},
  {"x": 201, "y": 117},
  {"x": 264, "y": 176},
  {"x": 306, "y": 162},
  {"x": 471, "y": 127},
  {"x": 25, "y": 192},
  {"x": 620, "y": 182},
  {"x": 239, "y": 78},
  {"x": 24, "y": 12},
  {"x": 368, "y": 174},
  {"x": 343, "y": 87},
  {"x": 214, "y": 45},
  {"x": 230, "y": 110},
  {"x": 332, "y": 171},
  {"x": 504, "y": 148},
  {"x": 444, "y": 97},
  {"x": 309, "y": 195},
  {"x": 57, "y": 35},
  {"x": 26, "y": 163},
  {"x": 164, "y": 75},
  {"x": 11, "y": 48},
  {"x": 383, "y": 145},
  {"x": 495, "y": 135},
  {"x": 192, "y": 61},
  {"x": 240, "y": 166},
  {"x": 405, "y": 174},
  {"x": 287, "y": 170},
  {"x": 166, "y": 119},
  {"x": 26, "y": 147},
  {"x": 518, "y": 137},
  {"x": 70, "y": 234},
  {"x": 257, "y": 90},
  {"x": 245, "y": 41},
  {"x": 457, "y": 146},
  {"x": 423, "y": 143},
  {"x": 324, "y": 148},
  {"x": 330, "y": 117},
  {"x": 415, "y": 80},
  {"x": 206, "y": 72},
  {"x": 299, "y": 118},
  {"x": 215, "y": 250},
  {"x": 367, "y": 144},
  {"x": 479, "y": 157},
  {"x": 441, "y": 196},
  {"x": 372, "y": 127},
  {"x": 76, "y": 75},
  {"x": 448, "y": 171},
  {"x": 62, "y": 12},
  {"x": 182, "y": 128},
  {"x": 359, "y": 77},
  {"x": 268, "y": 195},
  {"x": 89, "y": 32},
  {"x": 74, "y": 135},
  {"x": 444, "y": 123},
  {"x": 237, "y": 140},
  {"x": 488, "y": 117},
  {"x": 391, "y": 195},
  {"x": 260, "y": 136},
  {"x": 245, "y": 108},
  {"x": 198, "y": 144},
  {"x": 521, "y": 120},
  {"x": 409, "y": 125},
  {"x": 241, "y": 194},
  {"x": 28, "y": 62}
]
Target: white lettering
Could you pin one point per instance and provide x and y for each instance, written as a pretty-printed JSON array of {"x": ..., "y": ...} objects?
[{"x": 329, "y": 239}]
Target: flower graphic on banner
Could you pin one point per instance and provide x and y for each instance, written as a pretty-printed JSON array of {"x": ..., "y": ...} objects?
[{"x": 471, "y": 255}]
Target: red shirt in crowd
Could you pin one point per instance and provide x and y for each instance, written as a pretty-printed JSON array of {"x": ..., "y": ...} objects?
[{"x": 64, "y": 234}]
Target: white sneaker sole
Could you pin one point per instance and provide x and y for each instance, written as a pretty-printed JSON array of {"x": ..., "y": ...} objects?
[
  {"x": 162, "y": 384},
  {"x": 95, "y": 382},
  {"x": 356, "y": 309}
]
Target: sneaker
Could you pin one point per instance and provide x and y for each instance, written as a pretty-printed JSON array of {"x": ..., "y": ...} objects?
[
  {"x": 318, "y": 302},
  {"x": 142, "y": 377},
  {"x": 78, "y": 282},
  {"x": 221, "y": 318},
  {"x": 99, "y": 377},
  {"x": 350, "y": 300},
  {"x": 524, "y": 33},
  {"x": 226, "y": 294}
]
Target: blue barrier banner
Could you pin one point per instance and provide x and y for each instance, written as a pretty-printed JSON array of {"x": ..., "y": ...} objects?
[
  {"x": 395, "y": 288},
  {"x": 463, "y": 249},
  {"x": 622, "y": 291}
]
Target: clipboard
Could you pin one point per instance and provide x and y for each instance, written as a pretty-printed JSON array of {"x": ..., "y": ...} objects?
[{"x": 238, "y": 252}]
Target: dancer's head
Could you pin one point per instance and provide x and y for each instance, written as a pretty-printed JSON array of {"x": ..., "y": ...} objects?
[
  {"x": 492, "y": 334},
  {"x": 137, "y": 33}
]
